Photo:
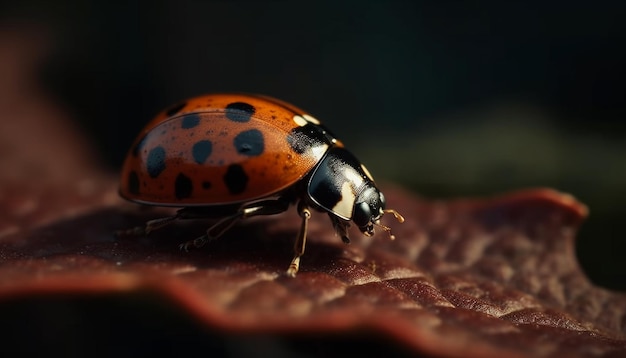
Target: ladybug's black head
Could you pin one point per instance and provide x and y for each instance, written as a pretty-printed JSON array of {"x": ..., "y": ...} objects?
[{"x": 369, "y": 207}]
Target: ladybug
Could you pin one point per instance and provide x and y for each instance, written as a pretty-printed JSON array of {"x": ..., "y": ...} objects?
[{"x": 235, "y": 156}]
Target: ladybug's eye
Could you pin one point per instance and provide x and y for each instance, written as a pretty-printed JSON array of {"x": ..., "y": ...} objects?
[
  {"x": 382, "y": 200},
  {"x": 362, "y": 214}
]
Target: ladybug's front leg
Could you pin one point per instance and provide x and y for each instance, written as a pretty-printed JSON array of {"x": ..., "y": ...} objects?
[
  {"x": 300, "y": 243},
  {"x": 341, "y": 227}
]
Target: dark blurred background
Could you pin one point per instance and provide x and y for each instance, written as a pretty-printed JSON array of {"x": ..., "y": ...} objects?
[{"x": 447, "y": 98}]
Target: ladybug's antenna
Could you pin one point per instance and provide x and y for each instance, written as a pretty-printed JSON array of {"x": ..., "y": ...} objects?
[
  {"x": 396, "y": 215},
  {"x": 386, "y": 228}
]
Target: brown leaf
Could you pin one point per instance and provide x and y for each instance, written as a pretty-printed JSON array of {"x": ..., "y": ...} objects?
[{"x": 492, "y": 277}]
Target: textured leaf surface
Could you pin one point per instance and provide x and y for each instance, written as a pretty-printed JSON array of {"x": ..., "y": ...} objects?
[{"x": 493, "y": 277}]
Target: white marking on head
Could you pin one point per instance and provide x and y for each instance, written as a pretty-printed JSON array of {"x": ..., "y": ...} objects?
[
  {"x": 300, "y": 121},
  {"x": 367, "y": 172},
  {"x": 311, "y": 119},
  {"x": 345, "y": 205},
  {"x": 353, "y": 176}
]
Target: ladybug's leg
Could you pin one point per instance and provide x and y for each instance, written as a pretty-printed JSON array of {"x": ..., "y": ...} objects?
[
  {"x": 149, "y": 226},
  {"x": 341, "y": 228},
  {"x": 265, "y": 207},
  {"x": 300, "y": 243},
  {"x": 156, "y": 224}
]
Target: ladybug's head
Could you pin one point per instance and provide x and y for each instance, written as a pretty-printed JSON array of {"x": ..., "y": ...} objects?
[{"x": 369, "y": 207}]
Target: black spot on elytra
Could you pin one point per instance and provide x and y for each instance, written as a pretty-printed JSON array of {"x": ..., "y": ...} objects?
[
  {"x": 249, "y": 142},
  {"x": 137, "y": 148},
  {"x": 190, "y": 121},
  {"x": 133, "y": 183},
  {"x": 175, "y": 109},
  {"x": 155, "y": 163},
  {"x": 206, "y": 185},
  {"x": 235, "y": 179},
  {"x": 239, "y": 111},
  {"x": 182, "y": 187},
  {"x": 302, "y": 139},
  {"x": 202, "y": 150}
]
